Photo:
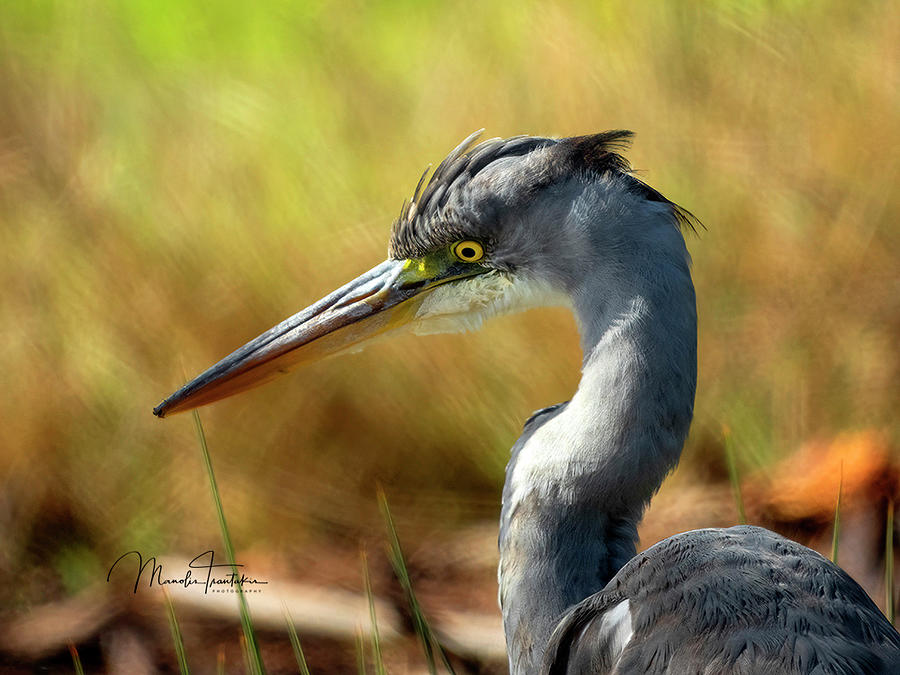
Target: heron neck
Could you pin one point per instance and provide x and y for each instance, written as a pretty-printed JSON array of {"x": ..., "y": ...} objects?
[{"x": 581, "y": 475}]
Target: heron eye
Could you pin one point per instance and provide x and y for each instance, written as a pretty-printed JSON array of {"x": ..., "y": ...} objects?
[{"x": 468, "y": 250}]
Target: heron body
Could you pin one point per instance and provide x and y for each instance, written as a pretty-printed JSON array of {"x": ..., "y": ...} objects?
[{"x": 516, "y": 223}]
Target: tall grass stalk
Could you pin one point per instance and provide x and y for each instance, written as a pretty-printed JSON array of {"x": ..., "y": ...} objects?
[
  {"x": 360, "y": 653},
  {"x": 889, "y": 563},
  {"x": 254, "y": 657},
  {"x": 248, "y": 664},
  {"x": 295, "y": 642},
  {"x": 377, "y": 658},
  {"x": 176, "y": 636},
  {"x": 76, "y": 660},
  {"x": 733, "y": 475},
  {"x": 836, "y": 534},
  {"x": 430, "y": 643}
]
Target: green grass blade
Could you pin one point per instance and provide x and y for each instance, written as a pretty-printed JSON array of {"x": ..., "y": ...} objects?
[
  {"x": 360, "y": 654},
  {"x": 248, "y": 664},
  {"x": 733, "y": 475},
  {"x": 76, "y": 660},
  {"x": 377, "y": 658},
  {"x": 836, "y": 534},
  {"x": 429, "y": 642},
  {"x": 400, "y": 570},
  {"x": 889, "y": 563},
  {"x": 295, "y": 642},
  {"x": 254, "y": 656},
  {"x": 176, "y": 636}
]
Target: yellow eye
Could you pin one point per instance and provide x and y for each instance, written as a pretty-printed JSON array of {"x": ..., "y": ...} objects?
[{"x": 468, "y": 250}]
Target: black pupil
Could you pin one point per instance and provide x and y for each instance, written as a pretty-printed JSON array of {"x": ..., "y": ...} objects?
[{"x": 468, "y": 252}]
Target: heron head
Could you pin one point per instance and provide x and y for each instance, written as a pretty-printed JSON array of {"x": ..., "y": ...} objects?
[{"x": 489, "y": 233}]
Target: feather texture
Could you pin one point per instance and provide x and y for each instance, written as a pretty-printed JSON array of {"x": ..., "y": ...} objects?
[{"x": 738, "y": 600}]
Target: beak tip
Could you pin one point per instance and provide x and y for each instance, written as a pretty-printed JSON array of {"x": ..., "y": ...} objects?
[{"x": 160, "y": 410}]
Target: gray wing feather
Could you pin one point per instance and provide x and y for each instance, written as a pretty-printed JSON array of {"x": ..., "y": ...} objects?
[{"x": 739, "y": 600}]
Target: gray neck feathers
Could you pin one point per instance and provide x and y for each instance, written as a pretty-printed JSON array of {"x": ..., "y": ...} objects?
[{"x": 582, "y": 473}]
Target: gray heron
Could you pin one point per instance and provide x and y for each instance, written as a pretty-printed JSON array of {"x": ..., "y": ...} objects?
[{"x": 508, "y": 224}]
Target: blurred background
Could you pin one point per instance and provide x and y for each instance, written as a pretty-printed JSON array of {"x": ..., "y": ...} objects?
[{"x": 177, "y": 176}]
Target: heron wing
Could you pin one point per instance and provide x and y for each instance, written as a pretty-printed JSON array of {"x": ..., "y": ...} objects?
[{"x": 738, "y": 600}]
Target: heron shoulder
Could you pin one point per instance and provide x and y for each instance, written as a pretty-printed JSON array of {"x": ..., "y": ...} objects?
[{"x": 728, "y": 600}]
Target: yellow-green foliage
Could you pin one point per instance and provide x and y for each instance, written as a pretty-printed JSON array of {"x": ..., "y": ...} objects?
[{"x": 177, "y": 176}]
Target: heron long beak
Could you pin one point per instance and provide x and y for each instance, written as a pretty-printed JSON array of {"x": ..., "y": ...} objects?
[{"x": 384, "y": 298}]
